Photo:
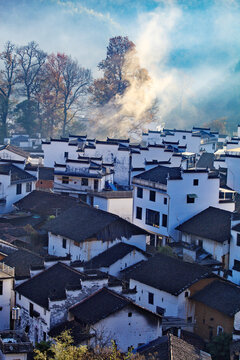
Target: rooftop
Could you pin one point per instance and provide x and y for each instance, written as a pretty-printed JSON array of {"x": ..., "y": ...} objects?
[
  {"x": 160, "y": 174},
  {"x": 220, "y": 295},
  {"x": 84, "y": 222},
  {"x": 108, "y": 301},
  {"x": 167, "y": 273},
  {"x": 212, "y": 223},
  {"x": 17, "y": 175},
  {"x": 113, "y": 194},
  {"x": 15, "y": 149}
]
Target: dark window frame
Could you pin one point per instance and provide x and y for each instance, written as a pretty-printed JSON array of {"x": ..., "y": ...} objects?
[
  {"x": 138, "y": 212},
  {"x": 190, "y": 200},
  {"x": 238, "y": 239},
  {"x": 1, "y": 287},
  {"x": 152, "y": 195},
  {"x": 195, "y": 182},
  {"x": 152, "y": 218},
  {"x": 19, "y": 189},
  {"x": 64, "y": 243},
  {"x": 28, "y": 187},
  {"x": 164, "y": 220},
  {"x": 165, "y": 200},
  {"x": 151, "y": 298},
  {"x": 84, "y": 180},
  {"x": 139, "y": 192}
]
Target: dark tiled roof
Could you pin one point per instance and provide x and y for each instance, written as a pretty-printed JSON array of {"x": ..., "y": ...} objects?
[
  {"x": 206, "y": 161},
  {"x": 15, "y": 150},
  {"x": 46, "y": 173},
  {"x": 236, "y": 228},
  {"x": 17, "y": 175},
  {"x": 212, "y": 223},
  {"x": 111, "y": 255},
  {"x": 108, "y": 302},
  {"x": 167, "y": 273},
  {"x": 47, "y": 285},
  {"x": 160, "y": 174},
  {"x": 220, "y": 295},
  {"x": 83, "y": 222},
  {"x": 22, "y": 260},
  {"x": 77, "y": 331},
  {"x": 45, "y": 203},
  {"x": 113, "y": 194},
  {"x": 170, "y": 347}
]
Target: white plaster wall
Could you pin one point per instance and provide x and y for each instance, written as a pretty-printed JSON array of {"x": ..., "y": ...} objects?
[
  {"x": 6, "y": 154},
  {"x": 121, "y": 207},
  {"x": 233, "y": 173},
  {"x": 236, "y": 323},
  {"x": 5, "y": 303},
  {"x": 54, "y": 152},
  {"x": 129, "y": 331}
]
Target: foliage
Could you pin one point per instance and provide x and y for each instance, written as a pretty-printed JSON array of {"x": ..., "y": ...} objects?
[
  {"x": 26, "y": 113},
  {"x": 63, "y": 349},
  {"x": 217, "y": 125},
  {"x": 219, "y": 347},
  {"x": 166, "y": 250}
]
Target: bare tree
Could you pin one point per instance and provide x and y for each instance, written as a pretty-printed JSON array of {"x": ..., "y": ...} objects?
[
  {"x": 31, "y": 60},
  {"x": 8, "y": 78}
]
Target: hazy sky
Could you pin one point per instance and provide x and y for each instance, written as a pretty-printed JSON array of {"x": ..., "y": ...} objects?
[{"x": 190, "y": 47}]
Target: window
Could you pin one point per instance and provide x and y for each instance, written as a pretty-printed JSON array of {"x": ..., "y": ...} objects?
[
  {"x": 31, "y": 309},
  {"x": 150, "y": 298},
  {"x": 95, "y": 184},
  {"x": 129, "y": 314},
  {"x": 139, "y": 213},
  {"x": 195, "y": 182},
  {"x": 219, "y": 330},
  {"x": 164, "y": 220},
  {"x": 84, "y": 182},
  {"x": 139, "y": 192},
  {"x": 28, "y": 187},
  {"x": 152, "y": 218},
  {"x": 186, "y": 294},
  {"x": 238, "y": 239},
  {"x": 189, "y": 319},
  {"x": 1, "y": 287},
  {"x": 65, "y": 180},
  {"x": 19, "y": 296},
  {"x": 200, "y": 243},
  {"x": 213, "y": 146},
  {"x": 19, "y": 189},
  {"x": 66, "y": 154},
  {"x": 236, "y": 265},
  {"x": 190, "y": 199},
  {"x": 152, "y": 195},
  {"x": 184, "y": 137},
  {"x": 44, "y": 336},
  {"x": 64, "y": 243},
  {"x": 165, "y": 201}
]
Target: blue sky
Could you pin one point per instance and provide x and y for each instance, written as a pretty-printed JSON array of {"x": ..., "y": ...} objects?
[{"x": 191, "y": 45}]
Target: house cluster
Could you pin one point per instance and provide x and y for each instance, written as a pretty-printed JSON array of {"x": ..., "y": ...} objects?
[{"x": 112, "y": 240}]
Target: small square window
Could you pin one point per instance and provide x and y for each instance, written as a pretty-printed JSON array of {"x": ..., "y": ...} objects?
[
  {"x": 238, "y": 239},
  {"x": 139, "y": 192},
  {"x": 64, "y": 243},
  {"x": 84, "y": 182},
  {"x": 150, "y": 298},
  {"x": 165, "y": 201},
  {"x": 152, "y": 195},
  {"x": 19, "y": 189},
  {"x": 139, "y": 213},
  {"x": 164, "y": 220},
  {"x": 65, "y": 180},
  {"x": 190, "y": 199},
  {"x": 129, "y": 314},
  {"x": 195, "y": 182},
  {"x": 184, "y": 137}
]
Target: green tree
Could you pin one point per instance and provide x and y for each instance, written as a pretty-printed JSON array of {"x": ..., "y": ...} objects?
[
  {"x": 219, "y": 347},
  {"x": 26, "y": 113}
]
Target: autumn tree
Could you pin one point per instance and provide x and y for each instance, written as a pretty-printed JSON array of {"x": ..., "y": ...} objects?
[
  {"x": 114, "y": 80},
  {"x": 8, "y": 79},
  {"x": 217, "y": 125},
  {"x": 69, "y": 83}
]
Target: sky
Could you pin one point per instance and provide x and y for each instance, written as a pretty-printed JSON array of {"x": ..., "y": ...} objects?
[{"x": 191, "y": 48}]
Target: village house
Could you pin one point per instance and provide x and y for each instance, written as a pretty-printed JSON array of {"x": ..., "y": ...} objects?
[
  {"x": 164, "y": 197},
  {"x": 44, "y": 300},
  {"x": 15, "y": 183},
  {"x": 115, "y": 202},
  {"x": 6, "y": 295},
  {"x": 14, "y": 345},
  {"x": 217, "y": 309},
  {"x": 84, "y": 232},
  {"x": 210, "y": 230},
  {"x": 13, "y": 153},
  {"x": 114, "y": 259},
  {"x": 116, "y": 318},
  {"x": 234, "y": 258},
  {"x": 170, "y": 347},
  {"x": 163, "y": 284}
]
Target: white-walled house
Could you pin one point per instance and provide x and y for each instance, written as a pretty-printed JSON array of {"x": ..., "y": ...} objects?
[
  {"x": 232, "y": 160},
  {"x": 164, "y": 284},
  {"x": 14, "y": 345},
  {"x": 15, "y": 183},
  {"x": 114, "y": 259},
  {"x": 10, "y": 152},
  {"x": 234, "y": 258},
  {"x": 210, "y": 230},
  {"x": 6, "y": 295},
  {"x": 113, "y": 317},
  {"x": 115, "y": 202},
  {"x": 84, "y": 232},
  {"x": 44, "y": 300},
  {"x": 165, "y": 197}
]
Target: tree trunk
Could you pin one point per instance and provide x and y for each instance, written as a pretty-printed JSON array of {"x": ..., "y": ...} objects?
[{"x": 64, "y": 121}]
